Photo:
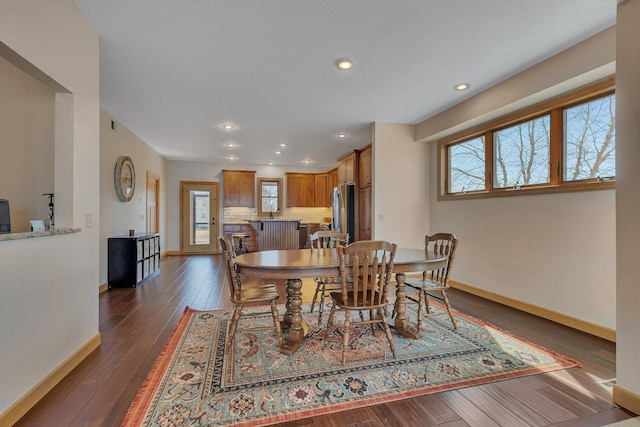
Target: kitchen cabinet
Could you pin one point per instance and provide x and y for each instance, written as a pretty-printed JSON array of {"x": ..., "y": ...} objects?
[
  {"x": 320, "y": 191},
  {"x": 300, "y": 189},
  {"x": 365, "y": 202},
  {"x": 131, "y": 259},
  {"x": 332, "y": 182},
  {"x": 347, "y": 168},
  {"x": 364, "y": 167},
  {"x": 239, "y": 188},
  {"x": 364, "y": 214},
  {"x": 250, "y": 242}
]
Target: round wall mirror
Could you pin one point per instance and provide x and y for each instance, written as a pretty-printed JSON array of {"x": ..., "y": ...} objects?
[{"x": 125, "y": 178}]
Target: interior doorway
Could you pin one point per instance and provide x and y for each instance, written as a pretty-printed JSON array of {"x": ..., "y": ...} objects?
[
  {"x": 199, "y": 210},
  {"x": 153, "y": 206}
]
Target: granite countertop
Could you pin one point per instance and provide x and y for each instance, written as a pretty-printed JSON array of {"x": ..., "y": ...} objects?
[{"x": 31, "y": 234}]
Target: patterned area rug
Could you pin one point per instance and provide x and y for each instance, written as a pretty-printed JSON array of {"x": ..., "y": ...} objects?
[{"x": 195, "y": 383}]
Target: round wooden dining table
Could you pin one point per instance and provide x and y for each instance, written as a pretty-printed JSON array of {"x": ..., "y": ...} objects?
[{"x": 295, "y": 264}]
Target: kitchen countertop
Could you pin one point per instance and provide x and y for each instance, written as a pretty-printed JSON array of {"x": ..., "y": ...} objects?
[
  {"x": 273, "y": 219},
  {"x": 43, "y": 233}
]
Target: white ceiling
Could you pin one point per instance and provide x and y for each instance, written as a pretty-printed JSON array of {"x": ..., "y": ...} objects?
[{"x": 174, "y": 71}]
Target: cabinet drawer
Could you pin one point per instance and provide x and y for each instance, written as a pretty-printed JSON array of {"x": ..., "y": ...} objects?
[
  {"x": 139, "y": 272},
  {"x": 145, "y": 246},
  {"x": 139, "y": 249}
]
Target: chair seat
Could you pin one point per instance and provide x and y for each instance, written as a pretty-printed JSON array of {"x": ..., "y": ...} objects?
[
  {"x": 426, "y": 284},
  {"x": 355, "y": 304},
  {"x": 257, "y": 294}
]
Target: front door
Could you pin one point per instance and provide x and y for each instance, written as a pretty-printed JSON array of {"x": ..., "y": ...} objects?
[{"x": 199, "y": 208}]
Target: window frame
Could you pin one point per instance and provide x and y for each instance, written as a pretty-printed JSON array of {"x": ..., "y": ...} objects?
[
  {"x": 553, "y": 107},
  {"x": 279, "y": 183}
]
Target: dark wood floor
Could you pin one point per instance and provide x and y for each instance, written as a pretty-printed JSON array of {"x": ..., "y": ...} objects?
[{"x": 135, "y": 324}]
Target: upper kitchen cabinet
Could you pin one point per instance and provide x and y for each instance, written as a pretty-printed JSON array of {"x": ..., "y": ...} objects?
[
  {"x": 300, "y": 189},
  {"x": 321, "y": 195},
  {"x": 347, "y": 168},
  {"x": 332, "y": 182},
  {"x": 364, "y": 167},
  {"x": 239, "y": 188}
]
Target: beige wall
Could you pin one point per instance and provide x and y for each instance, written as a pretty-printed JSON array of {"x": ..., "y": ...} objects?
[
  {"x": 48, "y": 292},
  {"x": 628, "y": 198},
  {"x": 400, "y": 186},
  {"x": 555, "y": 251},
  {"x": 26, "y": 145},
  {"x": 117, "y": 217}
]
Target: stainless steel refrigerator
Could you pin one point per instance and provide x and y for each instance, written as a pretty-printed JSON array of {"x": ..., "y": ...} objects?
[{"x": 343, "y": 206}]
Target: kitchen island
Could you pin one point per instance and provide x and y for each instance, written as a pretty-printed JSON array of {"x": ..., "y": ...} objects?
[{"x": 276, "y": 233}]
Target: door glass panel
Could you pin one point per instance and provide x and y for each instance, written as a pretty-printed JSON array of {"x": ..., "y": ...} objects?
[{"x": 200, "y": 217}]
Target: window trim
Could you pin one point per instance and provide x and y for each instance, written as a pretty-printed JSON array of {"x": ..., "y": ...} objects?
[
  {"x": 279, "y": 181},
  {"x": 554, "y": 107}
]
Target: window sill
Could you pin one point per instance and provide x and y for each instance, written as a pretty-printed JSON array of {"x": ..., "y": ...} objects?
[
  {"x": 533, "y": 190},
  {"x": 31, "y": 234}
]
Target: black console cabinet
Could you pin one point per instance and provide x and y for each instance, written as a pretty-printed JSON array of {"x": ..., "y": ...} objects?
[{"x": 131, "y": 259}]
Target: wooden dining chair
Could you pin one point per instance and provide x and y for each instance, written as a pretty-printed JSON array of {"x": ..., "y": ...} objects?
[
  {"x": 434, "y": 280},
  {"x": 318, "y": 241},
  {"x": 247, "y": 293},
  {"x": 370, "y": 264}
]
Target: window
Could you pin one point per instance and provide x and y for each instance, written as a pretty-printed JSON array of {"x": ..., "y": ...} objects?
[
  {"x": 590, "y": 140},
  {"x": 270, "y": 202},
  {"x": 466, "y": 170},
  {"x": 521, "y": 154},
  {"x": 564, "y": 144}
]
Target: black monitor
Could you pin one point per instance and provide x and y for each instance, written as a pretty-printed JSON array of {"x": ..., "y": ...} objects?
[{"x": 5, "y": 220}]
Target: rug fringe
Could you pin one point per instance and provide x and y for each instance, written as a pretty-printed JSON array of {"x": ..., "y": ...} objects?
[{"x": 571, "y": 362}]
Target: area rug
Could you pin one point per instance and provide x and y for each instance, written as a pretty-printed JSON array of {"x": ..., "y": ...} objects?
[{"x": 195, "y": 383}]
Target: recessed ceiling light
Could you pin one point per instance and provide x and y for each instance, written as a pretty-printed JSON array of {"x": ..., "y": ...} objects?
[
  {"x": 342, "y": 135},
  {"x": 461, "y": 86},
  {"x": 232, "y": 158},
  {"x": 270, "y": 163},
  {"x": 278, "y": 152},
  {"x": 227, "y": 126},
  {"x": 306, "y": 162},
  {"x": 283, "y": 145},
  {"x": 231, "y": 145},
  {"x": 344, "y": 64}
]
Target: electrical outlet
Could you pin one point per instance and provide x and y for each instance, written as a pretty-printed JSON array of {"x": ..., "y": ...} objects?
[
  {"x": 88, "y": 220},
  {"x": 380, "y": 218}
]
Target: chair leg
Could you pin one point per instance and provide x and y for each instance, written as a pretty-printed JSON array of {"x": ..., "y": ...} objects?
[
  {"x": 426, "y": 302},
  {"x": 345, "y": 337},
  {"x": 232, "y": 328},
  {"x": 421, "y": 303},
  {"x": 321, "y": 302},
  {"x": 330, "y": 321},
  {"x": 315, "y": 297},
  {"x": 446, "y": 303},
  {"x": 387, "y": 332},
  {"x": 276, "y": 321}
]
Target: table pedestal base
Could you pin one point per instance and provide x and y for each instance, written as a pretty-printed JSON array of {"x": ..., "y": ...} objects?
[
  {"x": 298, "y": 328},
  {"x": 401, "y": 323}
]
